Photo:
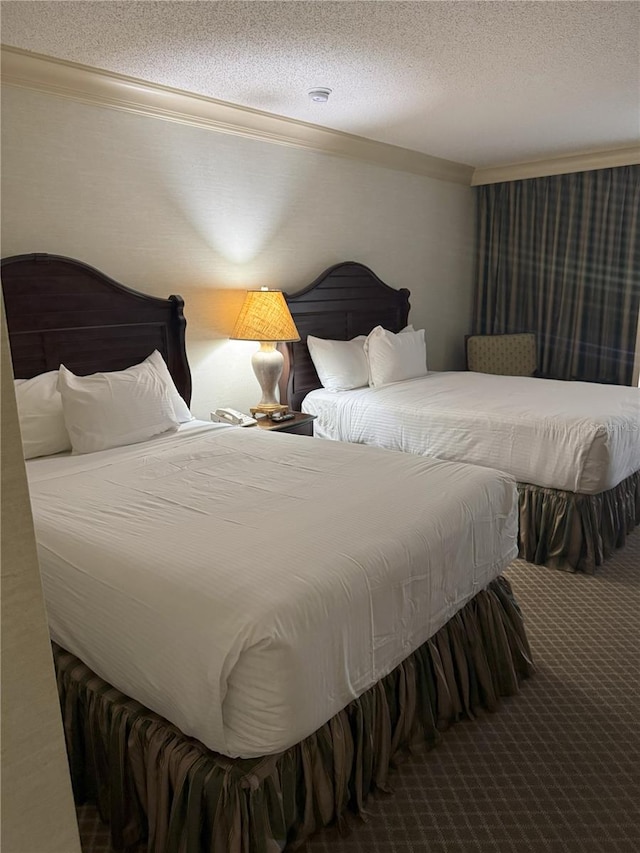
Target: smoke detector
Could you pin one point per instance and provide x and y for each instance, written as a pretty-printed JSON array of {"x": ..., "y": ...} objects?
[{"x": 320, "y": 95}]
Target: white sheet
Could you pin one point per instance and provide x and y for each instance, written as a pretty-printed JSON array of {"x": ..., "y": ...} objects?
[
  {"x": 248, "y": 585},
  {"x": 576, "y": 436}
]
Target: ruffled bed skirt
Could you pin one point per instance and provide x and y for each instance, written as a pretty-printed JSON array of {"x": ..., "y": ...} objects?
[
  {"x": 576, "y": 532},
  {"x": 151, "y": 782}
]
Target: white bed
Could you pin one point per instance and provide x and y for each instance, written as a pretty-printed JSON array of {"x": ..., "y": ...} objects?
[
  {"x": 217, "y": 592},
  {"x": 573, "y": 447},
  {"x": 264, "y": 582},
  {"x": 575, "y": 436}
]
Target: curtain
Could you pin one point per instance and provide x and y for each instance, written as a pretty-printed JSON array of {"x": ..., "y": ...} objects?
[{"x": 560, "y": 256}]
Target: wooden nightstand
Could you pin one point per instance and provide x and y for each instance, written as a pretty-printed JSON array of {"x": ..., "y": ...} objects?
[{"x": 302, "y": 424}]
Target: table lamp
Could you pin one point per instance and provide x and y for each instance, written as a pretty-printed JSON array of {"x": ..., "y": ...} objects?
[{"x": 265, "y": 317}]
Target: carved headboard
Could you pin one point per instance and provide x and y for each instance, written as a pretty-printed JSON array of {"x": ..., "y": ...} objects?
[
  {"x": 346, "y": 300},
  {"x": 61, "y": 311}
]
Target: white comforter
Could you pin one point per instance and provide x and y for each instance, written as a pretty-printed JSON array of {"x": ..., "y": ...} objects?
[
  {"x": 576, "y": 436},
  {"x": 248, "y": 585}
]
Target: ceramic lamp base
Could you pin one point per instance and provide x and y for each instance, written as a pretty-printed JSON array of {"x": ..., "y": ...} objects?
[{"x": 267, "y": 363}]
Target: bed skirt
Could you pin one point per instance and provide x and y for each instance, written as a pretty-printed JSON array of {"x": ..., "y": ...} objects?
[
  {"x": 576, "y": 532},
  {"x": 150, "y": 782}
]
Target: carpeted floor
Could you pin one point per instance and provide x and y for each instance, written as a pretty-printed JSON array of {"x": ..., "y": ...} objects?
[{"x": 557, "y": 768}]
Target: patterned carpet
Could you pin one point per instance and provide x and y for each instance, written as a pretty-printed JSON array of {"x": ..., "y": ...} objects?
[{"x": 555, "y": 770}]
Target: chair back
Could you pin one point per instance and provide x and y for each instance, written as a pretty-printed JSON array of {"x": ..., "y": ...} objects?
[{"x": 509, "y": 355}]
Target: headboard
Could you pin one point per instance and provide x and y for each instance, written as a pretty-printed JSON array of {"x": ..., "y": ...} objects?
[
  {"x": 61, "y": 311},
  {"x": 346, "y": 300}
]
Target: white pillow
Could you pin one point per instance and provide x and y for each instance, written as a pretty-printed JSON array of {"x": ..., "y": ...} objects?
[
  {"x": 393, "y": 358},
  {"x": 341, "y": 365},
  {"x": 41, "y": 416},
  {"x": 106, "y": 410},
  {"x": 179, "y": 406}
]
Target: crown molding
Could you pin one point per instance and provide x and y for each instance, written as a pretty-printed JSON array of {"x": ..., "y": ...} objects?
[
  {"x": 116, "y": 91},
  {"x": 106, "y": 89},
  {"x": 581, "y": 162}
]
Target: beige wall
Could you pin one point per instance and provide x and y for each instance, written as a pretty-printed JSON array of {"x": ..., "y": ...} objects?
[
  {"x": 37, "y": 806},
  {"x": 168, "y": 208}
]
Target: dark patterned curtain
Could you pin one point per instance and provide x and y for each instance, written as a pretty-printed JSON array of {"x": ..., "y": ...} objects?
[{"x": 560, "y": 256}]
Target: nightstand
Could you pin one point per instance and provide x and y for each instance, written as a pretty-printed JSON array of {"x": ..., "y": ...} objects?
[{"x": 302, "y": 424}]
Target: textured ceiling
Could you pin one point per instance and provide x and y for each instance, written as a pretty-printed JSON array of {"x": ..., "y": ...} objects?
[{"x": 482, "y": 83}]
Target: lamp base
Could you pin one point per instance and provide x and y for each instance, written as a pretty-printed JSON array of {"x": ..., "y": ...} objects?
[
  {"x": 267, "y": 363},
  {"x": 268, "y": 410}
]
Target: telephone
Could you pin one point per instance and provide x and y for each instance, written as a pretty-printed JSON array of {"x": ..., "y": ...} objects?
[{"x": 232, "y": 416}]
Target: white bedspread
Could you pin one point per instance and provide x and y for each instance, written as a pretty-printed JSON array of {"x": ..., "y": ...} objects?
[
  {"x": 576, "y": 436},
  {"x": 248, "y": 585}
]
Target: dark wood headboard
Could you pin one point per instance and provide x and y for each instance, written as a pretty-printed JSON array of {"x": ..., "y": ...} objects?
[
  {"x": 61, "y": 311},
  {"x": 346, "y": 300}
]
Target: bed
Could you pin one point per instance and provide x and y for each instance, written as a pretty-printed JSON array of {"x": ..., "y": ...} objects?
[
  {"x": 247, "y": 632},
  {"x": 573, "y": 447}
]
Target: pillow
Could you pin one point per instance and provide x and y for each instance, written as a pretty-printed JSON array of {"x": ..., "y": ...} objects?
[
  {"x": 393, "y": 358},
  {"x": 41, "y": 416},
  {"x": 341, "y": 365},
  {"x": 179, "y": 406},
  {"x": 106, "y": 410}
]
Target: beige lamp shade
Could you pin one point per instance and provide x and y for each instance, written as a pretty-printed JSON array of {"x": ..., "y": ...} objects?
[{"x": 265, "y": 316}]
